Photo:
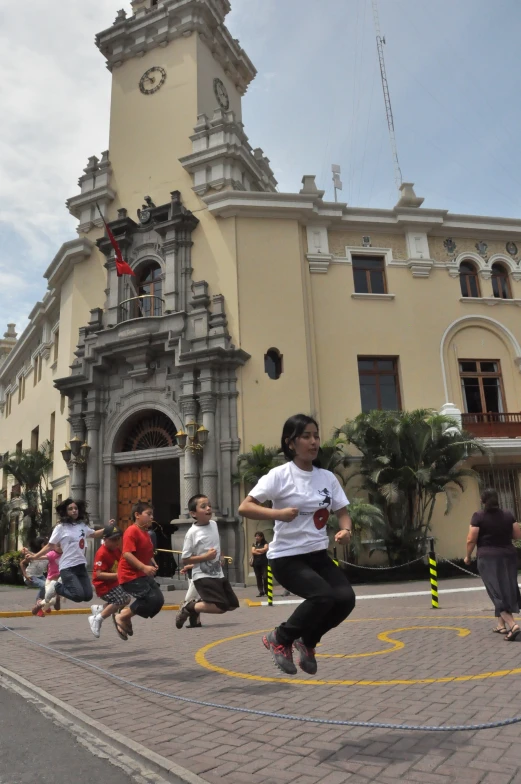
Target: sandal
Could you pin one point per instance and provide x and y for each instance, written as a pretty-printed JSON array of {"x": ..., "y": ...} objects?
[
  {"x": 512, "y": 634},
  {"x": 500, "y": 630},
  {"x": 120, "y": 630}
]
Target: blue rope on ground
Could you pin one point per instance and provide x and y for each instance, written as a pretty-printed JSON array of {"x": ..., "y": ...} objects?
[{"x": 288, "y": 716}]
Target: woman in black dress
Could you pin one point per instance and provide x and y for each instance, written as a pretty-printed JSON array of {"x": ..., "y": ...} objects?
[
  {"x": 492, "y": 531},
  {"x": 259, "y": 561}
]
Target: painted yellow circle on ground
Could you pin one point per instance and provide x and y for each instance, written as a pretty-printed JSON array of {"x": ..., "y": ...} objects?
[{"x": 201, "y": 659}]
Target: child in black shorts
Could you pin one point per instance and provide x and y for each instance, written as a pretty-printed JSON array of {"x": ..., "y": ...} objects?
[{"x": 202, "y": 551}]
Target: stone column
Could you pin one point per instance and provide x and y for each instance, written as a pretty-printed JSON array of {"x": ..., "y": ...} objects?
[
  {"x": 208, "y": 404},
  {"x": 77, "y": 472},
  {"x": 191, "y": 473},
  {"x": 92, "y": 483}
]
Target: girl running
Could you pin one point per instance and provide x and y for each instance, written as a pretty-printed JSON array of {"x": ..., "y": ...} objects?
[
  {"x": 70, "y": 533},
  {"x": 303, "y": 496}
]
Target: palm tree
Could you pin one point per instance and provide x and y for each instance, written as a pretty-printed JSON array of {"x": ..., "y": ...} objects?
[
  {"x": 256, "y": 463},
  {"x": 333, "y": 457},
  {"x": 408, "y": 459},
  {"x": 31, "y": 469},
  {"x": 368, "y": 522}
]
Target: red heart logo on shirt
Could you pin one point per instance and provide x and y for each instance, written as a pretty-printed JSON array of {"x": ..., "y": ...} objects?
[{"x": 320, "y": 518}]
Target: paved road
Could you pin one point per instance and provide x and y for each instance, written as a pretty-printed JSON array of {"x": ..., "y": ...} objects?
[
  {"x": 395, "y": 660},
  {"x": 33, "y": 749}
]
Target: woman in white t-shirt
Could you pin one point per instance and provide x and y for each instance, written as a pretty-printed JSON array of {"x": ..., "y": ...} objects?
[
  {"x": 303, "y": 495},
  {"x": 70, "y": 533}
]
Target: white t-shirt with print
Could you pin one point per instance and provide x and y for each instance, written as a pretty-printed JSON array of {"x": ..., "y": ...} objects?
[
  {"x": 72, "y": 540},
  {"x": 314, "y": 493},
  {"x": 198, "y": 540}
]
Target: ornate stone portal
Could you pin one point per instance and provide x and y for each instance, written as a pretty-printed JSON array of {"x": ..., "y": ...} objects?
[{"x": 160, "y": 344}]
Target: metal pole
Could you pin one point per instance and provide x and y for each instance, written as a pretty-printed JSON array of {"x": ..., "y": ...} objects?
[
  {"x": 433, "y": 570},
  {"x": 270, "y": 586}
]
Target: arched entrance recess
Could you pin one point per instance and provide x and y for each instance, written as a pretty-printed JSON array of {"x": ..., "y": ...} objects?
[{"x": 146, "y": 458}]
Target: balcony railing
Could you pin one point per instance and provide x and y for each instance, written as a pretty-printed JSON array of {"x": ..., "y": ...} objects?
[
  {"x": 493, "y": 425},
  {"x": 144, "y": 306}
]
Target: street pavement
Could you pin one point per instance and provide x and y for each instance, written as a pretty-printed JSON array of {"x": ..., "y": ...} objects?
[{"x": 395, "y": 660}]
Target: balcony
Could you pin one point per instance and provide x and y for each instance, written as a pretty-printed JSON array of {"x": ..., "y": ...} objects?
[
  {"x": 144, "y": 306},
  {"x": 492, "y": 425}
]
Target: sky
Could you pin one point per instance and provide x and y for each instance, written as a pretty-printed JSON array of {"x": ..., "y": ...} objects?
[{"x": 453, "y": 71}]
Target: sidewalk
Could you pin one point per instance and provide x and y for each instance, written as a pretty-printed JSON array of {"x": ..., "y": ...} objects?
[{"x": 394, "y": 660}]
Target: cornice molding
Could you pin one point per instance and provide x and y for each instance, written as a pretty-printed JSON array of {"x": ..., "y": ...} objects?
[{"x": 71, "y": 253}]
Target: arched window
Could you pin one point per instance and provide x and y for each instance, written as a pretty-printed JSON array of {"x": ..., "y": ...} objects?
[
  {"x": 468, "y": 278},
  {"x": 273, "y": 363},
  {"x": 150, "y": 289},
  {"x": 500, "y": 282}
]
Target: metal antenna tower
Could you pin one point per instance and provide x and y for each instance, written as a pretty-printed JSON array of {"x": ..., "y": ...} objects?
[{"x": 380, "y": 41}]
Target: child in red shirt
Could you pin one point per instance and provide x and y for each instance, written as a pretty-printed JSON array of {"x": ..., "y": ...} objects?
[
  {"x": 105, "y": 578},
  {"x": 137, "y": 569}
]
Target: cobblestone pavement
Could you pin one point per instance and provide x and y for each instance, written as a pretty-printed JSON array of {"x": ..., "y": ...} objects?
[{"x": 427, "y": 667}]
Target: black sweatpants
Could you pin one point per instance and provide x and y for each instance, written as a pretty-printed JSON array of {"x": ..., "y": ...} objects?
[{"x": 329, "y": 597}]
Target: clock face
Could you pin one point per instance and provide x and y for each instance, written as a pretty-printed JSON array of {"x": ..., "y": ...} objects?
[
  {"x": 152, "y": 80},
  {"x": 221, "y": 94}
]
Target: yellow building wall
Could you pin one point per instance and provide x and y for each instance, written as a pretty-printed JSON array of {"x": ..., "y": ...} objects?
[
  {"x": 149, "y": 133},
  {"x": 272, "y": 293},
  {"x": 208, "y": 69}
]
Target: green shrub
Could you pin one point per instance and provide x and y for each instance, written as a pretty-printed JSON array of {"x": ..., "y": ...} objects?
[{"x": 10, "y": 567}]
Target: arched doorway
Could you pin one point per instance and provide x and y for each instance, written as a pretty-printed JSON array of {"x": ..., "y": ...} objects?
[{"x": 148, "y": 470}]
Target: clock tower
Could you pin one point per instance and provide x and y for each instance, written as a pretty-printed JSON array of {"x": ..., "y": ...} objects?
[{"x": 178, "y": 77}]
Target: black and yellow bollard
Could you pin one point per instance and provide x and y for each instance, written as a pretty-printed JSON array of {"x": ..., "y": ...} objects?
[
  {"x": 270, "y": 586},
  {"x": 433, "y": 571}
]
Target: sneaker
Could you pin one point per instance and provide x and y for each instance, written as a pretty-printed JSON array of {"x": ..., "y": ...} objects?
[
  {"x": 183, "y": 615},
  {"x": 282, "y": 655},
  {"x": 40, "y": 613},
  {"x": 95, "y": 622},
  {"x": 96, "y": 608},
  {"x": 50, "y": 593},
  {"x": 48, "y": 611},
  {"x": 307, "y": 661},
  {"x": 35, "y": 609}
]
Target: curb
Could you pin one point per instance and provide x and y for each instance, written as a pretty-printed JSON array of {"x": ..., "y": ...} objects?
[
  {"x": 56, "y": 613},
  {"x": 136, "y": 751}
]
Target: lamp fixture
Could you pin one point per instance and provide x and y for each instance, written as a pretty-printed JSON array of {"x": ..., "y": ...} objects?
[
  {"x": 76, "y": 451},
  {"x": 195, "y": 438}
]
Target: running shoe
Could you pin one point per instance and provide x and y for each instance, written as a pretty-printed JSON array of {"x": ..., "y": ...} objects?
[
  {"x": 282, "y": 655},
  {"x": 307, "y": 661},
  {"x": 183, "y": 615},
  {"x": 95, "y": 622},
  {"x": 40, "y": 613},
  {"x": 96, "y": 608}
]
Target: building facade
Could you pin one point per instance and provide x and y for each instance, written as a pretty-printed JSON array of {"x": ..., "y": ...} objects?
[{"x": 247, "y": 305}]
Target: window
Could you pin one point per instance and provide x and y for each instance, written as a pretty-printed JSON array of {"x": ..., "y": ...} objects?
[
  {"x": 62, "y": 403},
  {"x": 8, "y": 404},
  {"x": 379, "y": 385},
  {"x": 506, "y": 483},
  {"x": 5, "y": 475},
  {"x": 468, "y": 278},
  {"x": 18, "y": 448},
  {"x": 40, "y": 363},
  {"x": 21, "y": 388},
  {"x": 35, "y": 438},
  {"x": 369, "y": 275},
  {"x": 273, "y": 363},
  {"x": 56, "y": 345},
  {"x": 482, "y": 386},
  {"x": 150, "y": 287},
  {"x": 500, "y": 282}
]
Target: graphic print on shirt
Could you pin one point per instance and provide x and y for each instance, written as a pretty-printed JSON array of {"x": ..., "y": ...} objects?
[
  {"x": 321, "y": 516},
  {"x": 81, "y": 543}
]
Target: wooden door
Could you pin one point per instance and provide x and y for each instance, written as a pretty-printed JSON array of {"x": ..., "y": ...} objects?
[{"x": 134, "y": 484}]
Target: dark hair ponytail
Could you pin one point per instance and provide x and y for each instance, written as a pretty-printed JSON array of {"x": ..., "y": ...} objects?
[
  {"x": 490, "y": 499},
  {"x": 293, "y": 428}
]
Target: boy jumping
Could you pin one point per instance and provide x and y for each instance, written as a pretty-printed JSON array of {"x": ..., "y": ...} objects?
[
  {"x": 202, "y": 551},
  {"x": 105, "y": 578}
]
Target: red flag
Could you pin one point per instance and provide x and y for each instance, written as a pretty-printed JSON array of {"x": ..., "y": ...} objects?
[{"x": 122, "y": 268}]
